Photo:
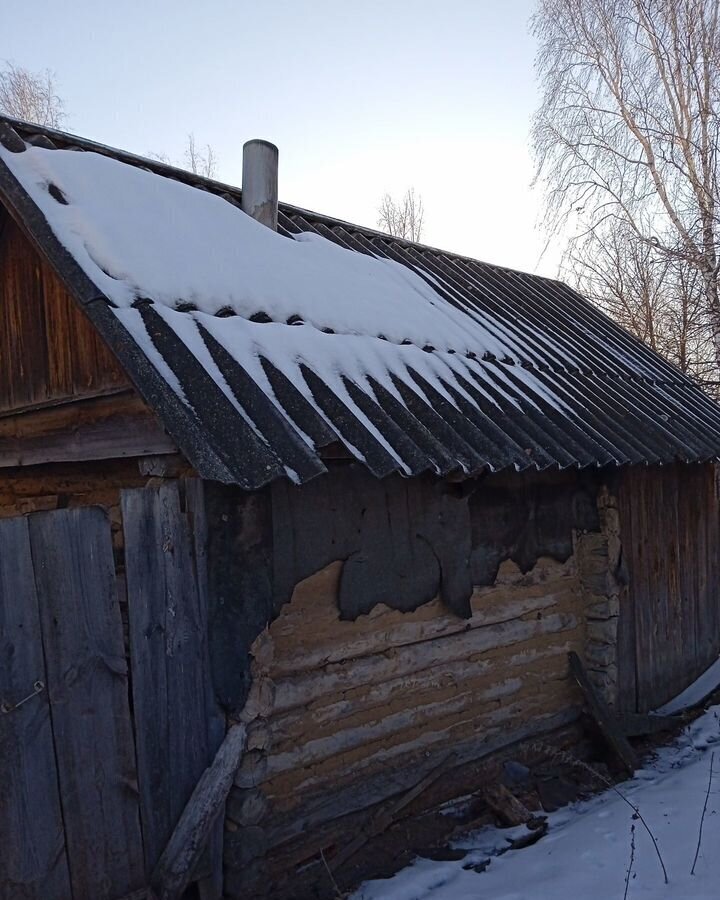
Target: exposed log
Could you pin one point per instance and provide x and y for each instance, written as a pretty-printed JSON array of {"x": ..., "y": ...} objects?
[
  {"x": 386, "y": 815},
  {"x": 506, "y": 807},
  {"x": 175, "y": 868}
]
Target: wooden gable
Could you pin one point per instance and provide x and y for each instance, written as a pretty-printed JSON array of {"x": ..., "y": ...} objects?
[
  {"x": 63, "y": 394},
  {"x": 49, "y": 351}
]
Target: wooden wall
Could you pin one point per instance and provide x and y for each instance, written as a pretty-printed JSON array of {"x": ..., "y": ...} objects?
[
  {"x": 49, "y": 351},
  {"x": 669, "y": 627},
  {"x": 346, "y": 713}
]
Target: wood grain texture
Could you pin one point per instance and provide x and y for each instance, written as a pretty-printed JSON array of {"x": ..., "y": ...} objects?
[
  {"x": 48, "y": 348},
  {"x": 33, "y": 860},
  {"x": 88, "y": 690},
  {"x": 362, "y": 708},
  {"x": 111, "y": 427},
  {"x": 669, "y": 630},
  {"x": 169, "y": 653},
  {"x": 603, "y": 717},
  {"x": 187, "y": 842}
]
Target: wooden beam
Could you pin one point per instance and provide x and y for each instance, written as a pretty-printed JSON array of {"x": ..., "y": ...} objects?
[
  {"x": 603, "y": 716},
  {"x": 174, "y": 870},
  {"x": 114, "y": 426},
  {"x": 506, "y": 806}
]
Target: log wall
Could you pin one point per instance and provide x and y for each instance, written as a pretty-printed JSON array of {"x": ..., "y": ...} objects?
[{"x": 346, "y": 714}]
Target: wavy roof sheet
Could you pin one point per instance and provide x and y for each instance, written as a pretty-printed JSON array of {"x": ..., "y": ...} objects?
[{"x": 258, "y": 350}]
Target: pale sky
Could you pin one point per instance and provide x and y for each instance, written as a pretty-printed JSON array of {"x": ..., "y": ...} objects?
[{"x": 361, "y": 98}]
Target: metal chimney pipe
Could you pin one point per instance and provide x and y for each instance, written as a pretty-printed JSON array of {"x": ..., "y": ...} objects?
[{"x": 260, "y": 182}]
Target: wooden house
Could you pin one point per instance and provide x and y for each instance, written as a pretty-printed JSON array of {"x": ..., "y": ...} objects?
[{"x": 360, "y": 495}]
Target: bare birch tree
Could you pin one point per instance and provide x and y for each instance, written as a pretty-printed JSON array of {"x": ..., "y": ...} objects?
[
  {"x": 627, "y": 138},
  {"x": 30, "y": 96},
  {"x": 198, "y": 160},
  {"x": 201, "y": 161},
  {"x": 403, "y": 218},
  {"x": 655, "y": 297}
]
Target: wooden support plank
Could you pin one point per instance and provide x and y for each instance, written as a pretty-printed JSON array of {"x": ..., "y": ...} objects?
[
  {"x": 169, "y": 658},
  {"x": 177, "y": 863},
  {"x": 88, "y": 691},
  {"x": 33, "y": 860},
  {"x": 603, "y": 716}
]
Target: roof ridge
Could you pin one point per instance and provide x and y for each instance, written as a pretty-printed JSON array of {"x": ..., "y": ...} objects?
[{"x": 221, "y": 187}]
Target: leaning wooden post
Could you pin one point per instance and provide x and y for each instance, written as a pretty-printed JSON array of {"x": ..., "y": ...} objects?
[{"x": 174, "y": 870}]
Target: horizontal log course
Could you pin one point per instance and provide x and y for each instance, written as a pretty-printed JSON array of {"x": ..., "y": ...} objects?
[
  {"x": 319, "y": 764},
  {"x": 362, "y": 709},
  {"x": 482, "y": 683},
  {"x": 307, "y": 634},
  {"x": 478, "y": 650},
  {"x": 66, "y": 485},
  {"x": 330, "y": 810}
]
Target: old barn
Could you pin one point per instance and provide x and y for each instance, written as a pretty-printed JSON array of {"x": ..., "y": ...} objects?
[{"x": 359, "y": 495}]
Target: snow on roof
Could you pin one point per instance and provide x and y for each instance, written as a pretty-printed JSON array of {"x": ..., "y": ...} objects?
[
  {"x": 143, "y": 235},
  {"x": 258, "y": 349}
]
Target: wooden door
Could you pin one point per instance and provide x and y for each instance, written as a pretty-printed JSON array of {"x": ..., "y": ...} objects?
[
  {"x": 69, "y": 814},
  {"x": 90, "y": 791}
]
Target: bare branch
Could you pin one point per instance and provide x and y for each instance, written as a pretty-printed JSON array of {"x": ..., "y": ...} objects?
[
  {"x": 627, "y": 141},
  {"x": 403, "y": 218},
  {"x": 30, "y": 96}
]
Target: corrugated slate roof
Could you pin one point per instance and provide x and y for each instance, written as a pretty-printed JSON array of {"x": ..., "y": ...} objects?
[{"x": 573, "y": 389}]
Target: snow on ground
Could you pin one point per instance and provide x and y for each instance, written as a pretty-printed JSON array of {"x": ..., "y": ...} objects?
[{"x": 586, "y": 853}]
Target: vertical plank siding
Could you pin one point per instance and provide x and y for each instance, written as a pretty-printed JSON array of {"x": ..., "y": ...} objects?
[
  {"x": 88, "y": 691},
  {"x": 48, "y": 348},
  {"x": 169, "y": 653},
  {"x": 670, "y": 524},
  {"x": 33, "y": 860}
]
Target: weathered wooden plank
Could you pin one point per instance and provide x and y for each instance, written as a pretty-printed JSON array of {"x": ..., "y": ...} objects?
[
  {"x": 639, "y": 724},
  {"x": 240, "y": 594},
  {"x": 108, "y": 427},
  {"x": 33, "y": 860},
  {"x": 88, "y": 690},
  {"x": 48, "y": 348},
  {"x": 175, "y": 867},
  {"x": 505, "y": 805},
  {"x": 210, "y": 885},
  {"x": 626, "y": 646},
  {"x": 169, "y": 658},
  {"x": 670, "y": 521},
  {"x": 602, "y": 715}
]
